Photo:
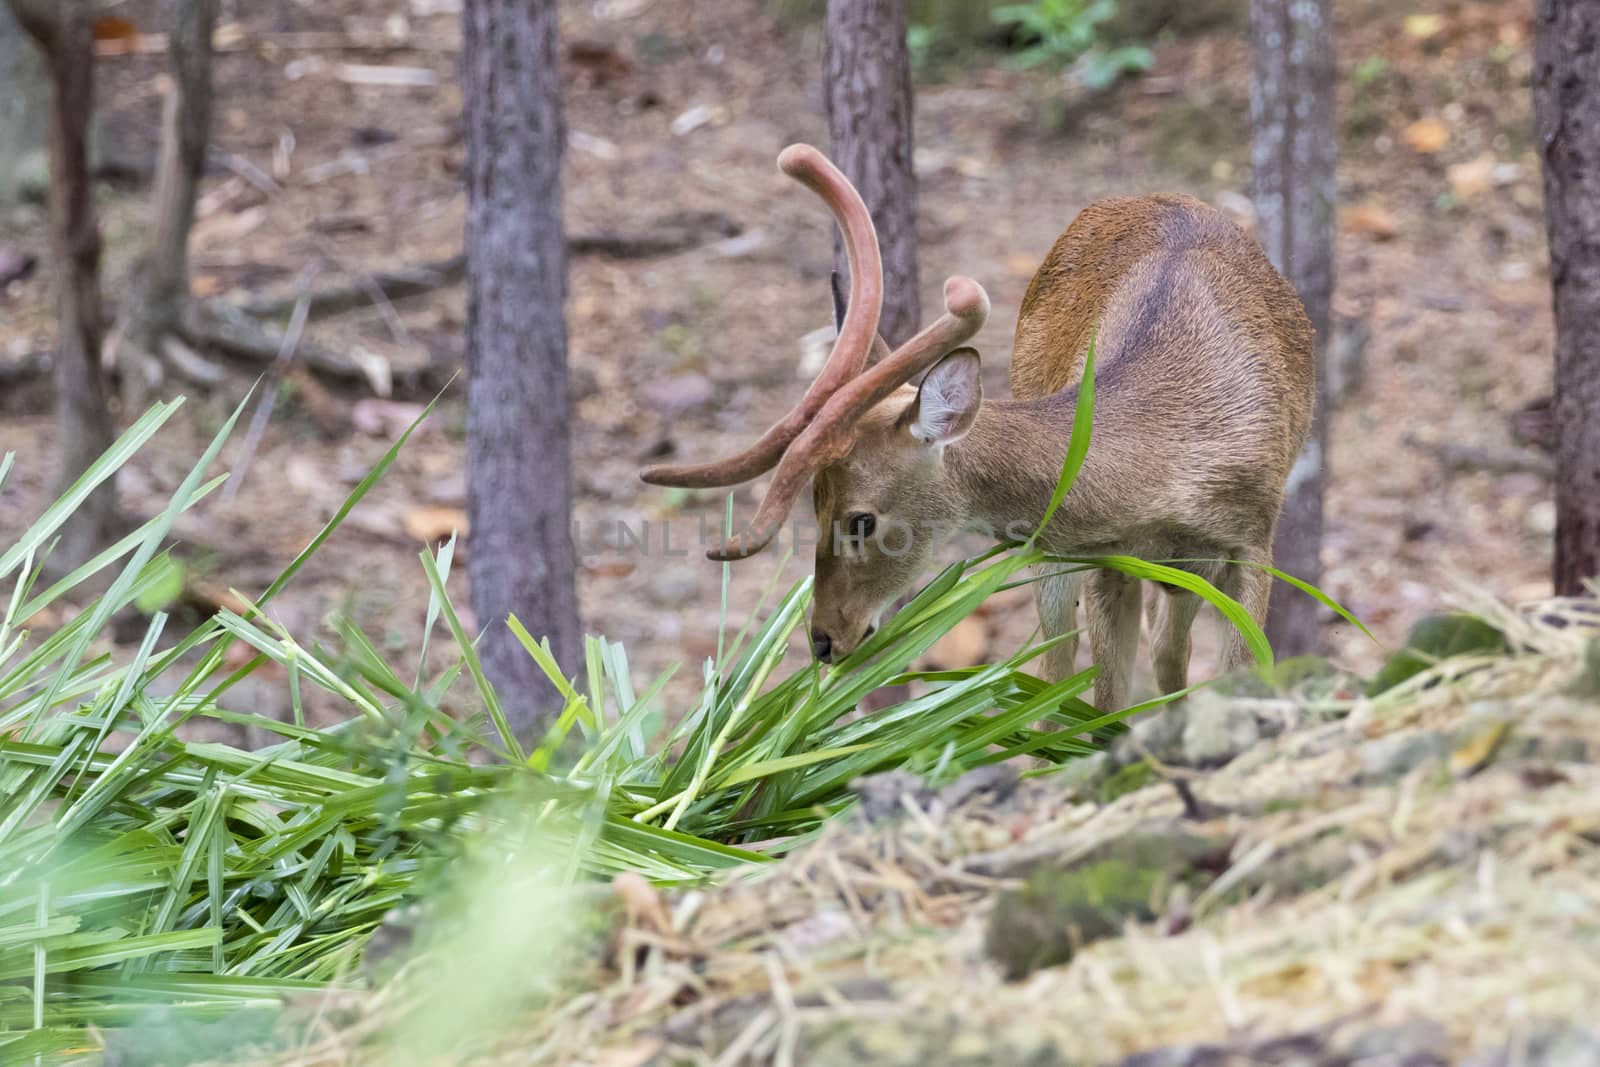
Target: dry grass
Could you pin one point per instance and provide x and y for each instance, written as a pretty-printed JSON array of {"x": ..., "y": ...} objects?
[{"x": 1462, "y": 891}]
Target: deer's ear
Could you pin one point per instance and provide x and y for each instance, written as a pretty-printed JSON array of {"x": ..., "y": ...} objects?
[{"x": 947, "y": 401}]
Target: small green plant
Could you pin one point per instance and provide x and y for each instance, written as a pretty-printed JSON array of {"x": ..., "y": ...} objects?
[{"x": 1066, "y": 33}]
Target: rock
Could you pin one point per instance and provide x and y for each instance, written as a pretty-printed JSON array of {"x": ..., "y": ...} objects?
[
  {"x": 1159, "y": 734},
  {"x": 674, "y": 586},
  {"x": 1216, "y": 730},
  {"x": 31, "y": 176},
  {"x": 1413, "y": 1043},
  {"x": 677, "y": 394},
  {"x": 880, "y": 794},
  {"x": 1388, "y": 758},
  {"x": 1060, "y": 909},
  {"x": 582, "y": 381},
  {"x": 1083, "y": 776},
  {"x": 1558, "y": 1045},
  {"x": 1129, "y": 779},
  {"x": 993, "y": 784}
]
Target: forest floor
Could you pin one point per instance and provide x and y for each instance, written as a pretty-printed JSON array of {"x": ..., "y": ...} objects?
[{"x": 676, "y": 110}]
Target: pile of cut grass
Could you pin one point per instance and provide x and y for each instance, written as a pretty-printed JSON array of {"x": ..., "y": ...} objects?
[{"x": 149, "y": 875}]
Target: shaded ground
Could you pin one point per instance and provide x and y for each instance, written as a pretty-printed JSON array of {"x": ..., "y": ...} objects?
[{"x": 676, "y": 106}]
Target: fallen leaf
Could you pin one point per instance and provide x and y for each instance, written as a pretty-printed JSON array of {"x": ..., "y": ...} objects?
[
  {"x": 1371, "y": 219},
  {"x": 114, "y": 28},
  {"x": 433, "y": 524},
  {"x": 1473, "y": 178},
  {"x": 1428, "y": 135},
  {"x": 1479, "y": 749},
  {"x": 1421, "y": 27},
  {"x": 203, "y": 285}
]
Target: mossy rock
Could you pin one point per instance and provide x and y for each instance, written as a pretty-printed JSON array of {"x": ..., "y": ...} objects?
[
  {"x": 1437, "y": 638},
  {"x": 1058, "y": 910},
  {"x": 1130, "y": 779}
]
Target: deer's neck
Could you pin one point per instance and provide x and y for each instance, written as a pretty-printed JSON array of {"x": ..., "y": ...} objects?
[{"x": 1005, "y": 470}]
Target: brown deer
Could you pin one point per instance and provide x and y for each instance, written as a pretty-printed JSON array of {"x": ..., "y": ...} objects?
[{"x": 1203, "y": 397}]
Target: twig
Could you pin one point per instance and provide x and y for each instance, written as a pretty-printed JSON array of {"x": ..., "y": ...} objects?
[
  {"x": 1458, "y": 457},
  {"x": 258, "y": 423}
]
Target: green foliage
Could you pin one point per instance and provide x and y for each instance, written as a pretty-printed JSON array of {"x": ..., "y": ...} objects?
[
  {"x": 1435, "y": 639},
  {"x": 1065, "y": 33}
]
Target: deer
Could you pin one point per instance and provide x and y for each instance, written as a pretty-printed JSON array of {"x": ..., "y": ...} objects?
[{"x": 1204, "y": 388}]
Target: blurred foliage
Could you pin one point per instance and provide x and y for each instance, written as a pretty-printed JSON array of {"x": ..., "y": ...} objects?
[
  {"x": 1098, "y": 39},
  {"x": 1067, "y": 33}
]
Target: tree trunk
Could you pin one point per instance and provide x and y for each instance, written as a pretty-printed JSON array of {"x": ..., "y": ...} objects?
[
  {"x": 22, "y": 104},
  {"x": 867, "y": 90},
  {"x": 65, "y": 33},
  {"x": 159, "y": 301},
  {"x": 519, "y": 479},
  {"x": 1292, "y": 108},
  {"x": 1566, "y": 94}
]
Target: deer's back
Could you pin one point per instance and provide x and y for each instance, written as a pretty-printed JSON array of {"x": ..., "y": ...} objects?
[{"x": 1130, "y": 267}]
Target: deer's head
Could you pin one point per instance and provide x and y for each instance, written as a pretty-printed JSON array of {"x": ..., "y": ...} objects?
[{"x": 871, "y": 444}]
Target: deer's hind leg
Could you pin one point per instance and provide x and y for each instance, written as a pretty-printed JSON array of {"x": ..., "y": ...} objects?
[
  {"x": 1171, "y": 626},
  {"x": 1113, "y": 607},
  {"x": 1056, "y": 593},
  {"x": 1251, "y": 587}
]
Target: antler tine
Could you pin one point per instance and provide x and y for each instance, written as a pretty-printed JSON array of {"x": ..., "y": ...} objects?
[
  {"x": 829, "y": 436},
  {"x": 813, "y": 170}
]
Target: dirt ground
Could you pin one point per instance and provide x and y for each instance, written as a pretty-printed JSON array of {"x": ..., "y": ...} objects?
[{"x": 678, "y": 106}]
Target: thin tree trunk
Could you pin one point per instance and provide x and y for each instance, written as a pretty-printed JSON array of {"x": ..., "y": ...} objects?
[
  {"x": 1292, "y": 108},
  {"x": 519, "y": 479},
  {"x": 867, "y": 92},
  {"x": 867, "y": 89},
  {"x": 65, "y": 33},
  {"x": 155, "y": 310},
  {"x": 1566, "y": 94}
]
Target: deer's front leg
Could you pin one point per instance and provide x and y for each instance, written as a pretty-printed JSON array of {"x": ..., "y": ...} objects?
[
  {"x": 1057, "y": 597},
  {"x": 1113, "y": 602}
]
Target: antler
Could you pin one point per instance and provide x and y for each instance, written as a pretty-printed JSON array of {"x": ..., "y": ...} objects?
[
  {"x": 831, "y": 434},
  {"x": 856, "y": 335}
]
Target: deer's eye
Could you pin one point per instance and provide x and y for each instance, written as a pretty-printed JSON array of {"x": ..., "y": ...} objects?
[{"x": 861, "y": 524}]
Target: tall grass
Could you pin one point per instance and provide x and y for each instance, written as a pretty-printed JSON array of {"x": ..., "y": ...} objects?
[{"x": 143, "y": 871}]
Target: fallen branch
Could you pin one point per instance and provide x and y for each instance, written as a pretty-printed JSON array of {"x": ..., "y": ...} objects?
[
  {"x": 1465, "y": 458},
  {"x": 669, "y": 235},
  {"x": 233, "y": 331},
  {"x": 392, "y": 285}
]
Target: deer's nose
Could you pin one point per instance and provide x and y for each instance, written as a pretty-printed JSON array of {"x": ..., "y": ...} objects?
[{"x": 822, "y": 646}]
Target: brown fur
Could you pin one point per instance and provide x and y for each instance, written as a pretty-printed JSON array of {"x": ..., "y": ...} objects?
[{"x": 1204, "y": 391}]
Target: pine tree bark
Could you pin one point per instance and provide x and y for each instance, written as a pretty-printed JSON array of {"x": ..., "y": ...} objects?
[
  {"x": 519, "y": 480},
  {"x": 1566, "y": 93},
  {"x": 867, "y": 90},
  {"x": 65, "y": 34},
  {"x": 1292, "y": 110},
  {"x": 155, "y": 312}
]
